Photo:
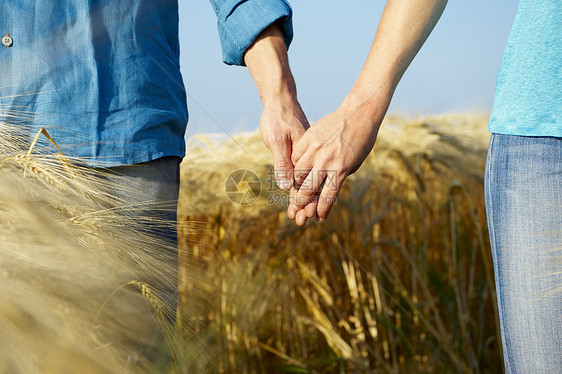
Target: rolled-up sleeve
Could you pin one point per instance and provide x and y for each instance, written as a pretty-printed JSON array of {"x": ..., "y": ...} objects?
[{"x": 241, "y": 21}]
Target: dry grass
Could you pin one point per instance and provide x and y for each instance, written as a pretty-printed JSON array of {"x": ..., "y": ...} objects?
[
  {"x": 67, "y": 246},
  {"x": 398, "y": 280}
]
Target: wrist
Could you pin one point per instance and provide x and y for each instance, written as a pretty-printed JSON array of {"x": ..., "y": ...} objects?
[
  {"x": 366, "y": 107},
  {"x": 279, "y": 96}
]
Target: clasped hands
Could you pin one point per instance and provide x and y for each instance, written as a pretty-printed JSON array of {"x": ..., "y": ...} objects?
[{"x": 312, "y": 162}]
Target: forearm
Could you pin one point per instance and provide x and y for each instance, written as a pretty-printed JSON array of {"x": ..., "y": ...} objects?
[
  {"x": 268, "y": 63},
  {"x": 402, "y": 30},
  {"x": 282, "y": 122}
]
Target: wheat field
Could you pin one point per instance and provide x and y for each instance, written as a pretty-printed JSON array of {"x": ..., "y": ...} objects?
[{"x": 398, "y": 280}]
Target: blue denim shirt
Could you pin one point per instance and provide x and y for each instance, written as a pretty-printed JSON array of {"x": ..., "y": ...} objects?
[{"x": 103, "y": 76}]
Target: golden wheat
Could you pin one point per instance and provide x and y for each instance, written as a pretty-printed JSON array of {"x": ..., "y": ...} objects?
[
  {"x": 398, "y": 279},
  {"x": 66, "y": 247}
]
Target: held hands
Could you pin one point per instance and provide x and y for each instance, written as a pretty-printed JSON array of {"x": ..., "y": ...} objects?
[
  {"x": 327, "y": 153},
  {"x": 281, "y": 126},
  {"x": 339, "y": 143}
]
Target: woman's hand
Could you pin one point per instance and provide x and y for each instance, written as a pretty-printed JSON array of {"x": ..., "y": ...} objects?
[{"x": 328, "y": 152}]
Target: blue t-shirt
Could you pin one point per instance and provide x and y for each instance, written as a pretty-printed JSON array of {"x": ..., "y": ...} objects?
[
  {"x": 103, "y": 76},
  {"x": 529, "y": 87}
]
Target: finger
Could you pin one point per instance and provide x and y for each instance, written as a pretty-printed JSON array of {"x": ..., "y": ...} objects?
[
  {"x": 282, "y": 163},
  {"x": 299, "y": 149},
  {"x": 302, "y": 169},
  {"x": 292, "y": 212},
  {"x": 327, "y": 199},
  {"x": 300, "y": 174},
  {"x": 301, "y": 218},
  {"x": 310, "y": 208},
  {"x": 309, "y": 187},
  {"x": 292, "y": 209}
]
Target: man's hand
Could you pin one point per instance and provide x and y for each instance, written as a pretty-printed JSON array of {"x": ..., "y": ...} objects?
[
  {"x": 281, "y": 126},
  {"x": 283, "y": 121}
]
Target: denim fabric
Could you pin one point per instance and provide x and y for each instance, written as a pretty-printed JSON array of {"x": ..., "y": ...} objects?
[
  {"x": 240, "y": 22},
  {"x": 103, "y": 76},
  {"x": 524, "y": 205},
  {"x": 151, "y": 189}
]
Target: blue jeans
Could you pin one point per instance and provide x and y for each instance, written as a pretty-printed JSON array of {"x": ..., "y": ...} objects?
[
  {"x": 523, "y": 186},
  {"x": 151, "y": 189}
]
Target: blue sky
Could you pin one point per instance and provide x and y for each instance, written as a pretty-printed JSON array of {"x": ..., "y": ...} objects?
[{"x": 455, "y": 70}]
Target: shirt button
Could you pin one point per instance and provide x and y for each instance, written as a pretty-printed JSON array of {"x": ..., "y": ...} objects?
[{"x": 7, "y": 40}]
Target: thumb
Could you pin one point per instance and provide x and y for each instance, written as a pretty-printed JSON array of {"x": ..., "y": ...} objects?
[{"x": 282, "y": 164}]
